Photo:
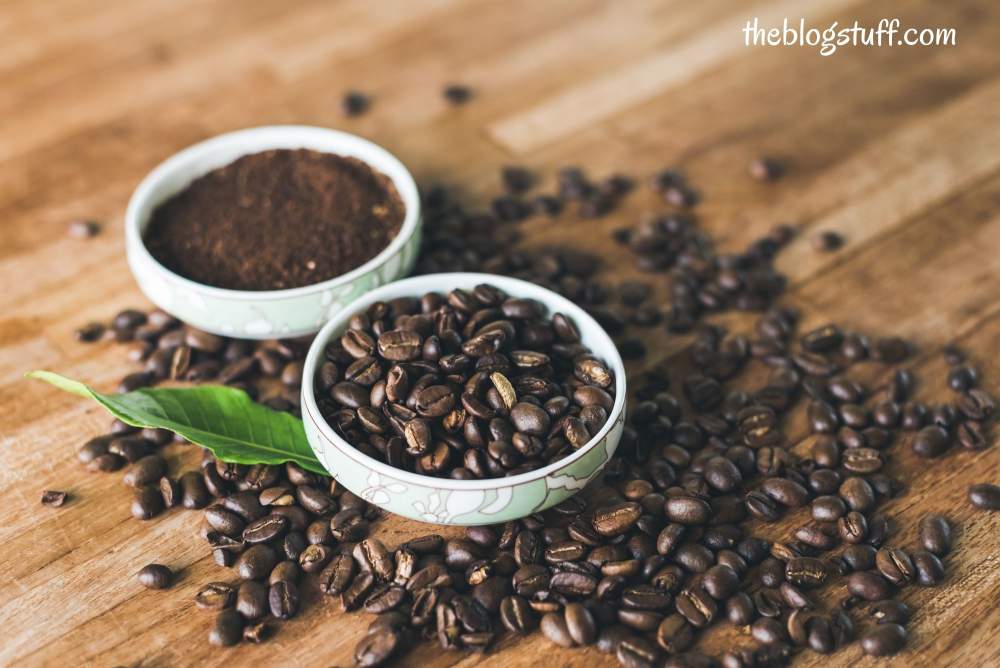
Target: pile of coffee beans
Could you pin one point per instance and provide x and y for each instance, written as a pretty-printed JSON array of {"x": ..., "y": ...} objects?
[
  {"x": 269, "y": 371},
  {"x": 670, "y": 541},
  {"x": 472, "y": 384}
]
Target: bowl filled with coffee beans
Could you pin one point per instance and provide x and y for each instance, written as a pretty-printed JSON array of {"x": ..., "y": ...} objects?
[
  {"x": 268, "y": 232},
  {"x": 463, "y": 398}
]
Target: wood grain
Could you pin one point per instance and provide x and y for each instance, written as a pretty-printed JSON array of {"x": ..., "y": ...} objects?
[{"x": 898, "y": 149}]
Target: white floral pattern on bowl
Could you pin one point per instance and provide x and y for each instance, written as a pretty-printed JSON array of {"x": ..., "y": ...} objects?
[
  {"x": 276, "y": 313},
  {"x": 463, "y": 502}
]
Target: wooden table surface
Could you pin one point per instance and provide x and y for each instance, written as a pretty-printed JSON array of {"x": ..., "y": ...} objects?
[{"x": 896, "y": 148}]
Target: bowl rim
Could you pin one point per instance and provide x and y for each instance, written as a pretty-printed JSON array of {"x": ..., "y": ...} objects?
[
  {"x": 297, "y": 136},
  {"x": 444, "y": 282}
]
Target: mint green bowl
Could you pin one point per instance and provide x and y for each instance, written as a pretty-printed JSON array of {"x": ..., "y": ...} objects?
[
  {"x": 462, "y": 502},
  {"x": 275, "y": 313}
]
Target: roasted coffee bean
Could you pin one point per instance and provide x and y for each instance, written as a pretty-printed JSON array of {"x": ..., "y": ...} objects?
[
  {"x": 283, "y": 599},
  {"x": 314, "y": 557},
  {"x": 89, "y": 333},
  {"x": 868, "y": 585},
  {"x": 890, "y": 612},
  {"x": 384, "y": 599},
  {"x": 636, "y": 652},
  {"x": 256, "y": 562},
  {"x": 976, "y": 404},
  {"x": 285, "y": 570},
  {"x": 145, "y": 471},
  {"x": 985, "y": 496},
  {"x": 878, "y": 530},
  {"x": 862, "y": 460},
  {"x": 860, "y": 557},
  {"x": 354, "y": 596},
  {"x": 771, "y": 572},
  {"x": 883, "y": 640},
  {"x": 786, "y": 492},
  {"x": 768, "y": 631},
  {"x": 935, "y": 535},
  {"x": 194, "y": 493},
  {"x": 644, "y": 597},
  {"x": 615, "y": 520},
  {"x": 768, "y": 603},
  {"x": 554, "y": 628},
  {"x": 531, "y": 419},
  {"x": 314, "y": 500},
  {"x": 567, "y": 550},
  {"x": 228, "y": 629},
  {"x": 793, "y": 596},
  {"x": 257, "y": 632},
  {"x": 641, "y": 620},
  {"x": 53, "y": 498},
  {"x": 828, "y": 508},
  {"x": 823, "y": 417},
  {"x": 155, "y": 576},
  {"x": 739, "y": 610},
  {"x": 853, "y": 527},
  {"x": 806, "y": 572},
  {"x": 251, "y": 600},
  {"x": 266, "y": 529},
  {"x": 377, "y": 647},
  {"x": 516, "y": 615},
  {"x": 147, "y": 503},
  {"x": 372, "y": 555},
  {"x": 224, "y": 521},
  {"x": 928, "y": 568},
  {"x": 696, "y": 606},
  {"x": 580, "y": 624},
  {"x": 106, "y": 462},
  {"x": 720, "y": 581},
  {"x": 571, "y": 583},
  {"x": 895, "y": 566},
  {"x": 687, "y": 510},
  {"x": 930, "y": 441},
  {"x": 94, "y": 448},
  {"x": 215, "y": 596},
  {"x": 857, "y": 493},
  {"x": 609, "y": 636},
  {"x": 338, "y": 574},
  {"x": 131, "y": 447}
]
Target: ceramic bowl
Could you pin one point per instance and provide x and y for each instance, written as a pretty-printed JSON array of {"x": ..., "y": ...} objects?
[
  {"x": 463, "y": 502},
  {"x": 273, "y": 313}
]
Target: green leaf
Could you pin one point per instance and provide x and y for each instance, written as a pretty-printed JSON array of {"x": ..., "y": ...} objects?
[{"x": 222, "y": 419}]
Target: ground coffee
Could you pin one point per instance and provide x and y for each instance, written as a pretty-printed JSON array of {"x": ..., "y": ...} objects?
[{"x": 275, "y": 220}]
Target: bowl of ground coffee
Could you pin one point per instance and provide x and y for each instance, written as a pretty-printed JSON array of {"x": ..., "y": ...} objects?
[
  {"x": 269, "y": 232},
  {"x": 463, "y": 398}
]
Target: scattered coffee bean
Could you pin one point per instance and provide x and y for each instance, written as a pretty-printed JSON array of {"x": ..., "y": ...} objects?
[
  {"x": 155, "y": 576},
  {"x": 354, "y": 103},
  {"x": 228, "y": 629},
  {"x": 83, "y": 229},
  {"x": 828, "y": 241},
  {"x": 985, "y": 496},
  {"x": 53, "y": 498},
  {"x": 215, "y": 596},
  {"x": 883, "y": 640},
  {"x": 457, "y": 94},
  {"x": 935, "y": 535},
  {"x": 89, "y": 333},
  {"x": 765, "y": 169}
]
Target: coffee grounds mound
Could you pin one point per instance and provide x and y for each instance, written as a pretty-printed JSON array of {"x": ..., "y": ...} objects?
[{"x": 276, "y": 220}]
